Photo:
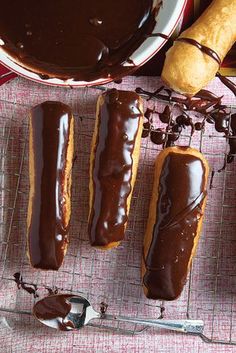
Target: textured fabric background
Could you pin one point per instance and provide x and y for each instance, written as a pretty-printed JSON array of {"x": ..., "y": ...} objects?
[{"x": 114, "y": 276}]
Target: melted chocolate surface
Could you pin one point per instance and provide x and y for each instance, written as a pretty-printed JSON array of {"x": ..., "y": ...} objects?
[
  {"x": 55, "y": 309},
  {"x": 179, "y": 208},
  {"x": 84, "y": 40},
  {"x": 48, "y": 231},
  {"x": 119, "y": 119}
]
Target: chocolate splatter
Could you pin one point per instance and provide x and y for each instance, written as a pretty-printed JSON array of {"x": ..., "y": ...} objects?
[
  {"x": 28, "y": 287},
  {"x": 150, "y": 95},
  {"x": 205, "y": 103},
  {"x": 103, "y": 308},
  {"x": 221, "y": 120},
  {"x": 162, "y": 309},
  {"x": 147, "y": 125},
  {"x": 146, "y": 129},
  {"x": 200, "y": 103},
  {"x": 212, "y": 178},
  {"x": 118, "y": 81},
  {"x": 52, "y": 291},
  {"x": 232, "y": 139},
  {"x": 228, "y": 83},
  {"x": 44, "y": 77},
  {"x": 165, "y": 116},
  {"x": 74, "y": 160},
  {"x": 199, "y": 126},
  {"x": 158, "y": 136}
]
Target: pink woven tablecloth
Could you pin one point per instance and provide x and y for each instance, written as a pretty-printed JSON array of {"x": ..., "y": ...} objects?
[{"x": 25, "y": 335}]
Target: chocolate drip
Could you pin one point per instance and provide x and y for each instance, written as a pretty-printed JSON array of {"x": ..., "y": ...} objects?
[
  {"x": 199, "y": 126},
  {"x": 210, "y": 52},
  {"x": 146, "y": 129},
  {"x": 28, "y": 287},
  {"x": 48, "y": 228},
  {"x": 204, "y": 94},
  {"x": 103, "y": 308},
  {"x": 212, "y": 179},
  {"x": 161, "y": 35},
  {"x": 44, "y": 77},
  {"x": 112, "y": 169},
  {"x": 228, "y": 83},
  {"x": 179, "y": 210},
  {"x": 165, "y": 116},
  {"x": 31, "y": 288},
  {"x": 81, "y": 40},
  {"x": 204, "y": 102},
  {"x": 232, "y": 140},
  {"x": 55, "y": 309},
  {"x": 158, "y": 136},
  {"x": 147, "y": 125},
  {"x": 200, "y": 103},
  {"x": 118, "y": 81},
  {"x": 221, "y": 120}
]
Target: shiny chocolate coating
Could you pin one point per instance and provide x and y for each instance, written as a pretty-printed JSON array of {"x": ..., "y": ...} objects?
[
  {"x": 118, "y": 125},
  {"x": 181, "y": 193},
  {"x": 55, "y": 309},
  {"x": 50, "y": 124},
  {"x": 81, "y": 40}
]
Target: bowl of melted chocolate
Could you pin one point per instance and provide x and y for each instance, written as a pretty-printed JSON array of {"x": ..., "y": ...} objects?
[{"x": 83, "y": 42}]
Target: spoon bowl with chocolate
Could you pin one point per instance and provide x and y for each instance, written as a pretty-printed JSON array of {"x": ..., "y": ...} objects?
[
  {"x": 68, "y": 312},
  {"x": 87, "y": 42}
]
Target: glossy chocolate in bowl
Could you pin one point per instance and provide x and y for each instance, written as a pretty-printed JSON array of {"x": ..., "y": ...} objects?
[
  {"x": 83, "y": 40},
  {"x": 54, "y": 309},
  {"x": 181, "y": 195},
  {"x": 50, "y": 156},
  {"x": 112, "y": 167}
]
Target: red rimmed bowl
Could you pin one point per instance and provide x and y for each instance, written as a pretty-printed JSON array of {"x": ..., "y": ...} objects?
[{"x": 167, "y": 19}]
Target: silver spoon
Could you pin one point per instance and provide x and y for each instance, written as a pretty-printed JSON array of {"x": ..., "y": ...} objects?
[{"x": 71, "y": 312}]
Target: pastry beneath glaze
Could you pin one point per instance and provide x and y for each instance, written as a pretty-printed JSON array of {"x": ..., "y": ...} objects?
[
  {"x": 51, "y": 144},
  {"x": 113, "y": 165},
  {"x": 187, "y": 68},
  {"x": 175, "y": 221}
]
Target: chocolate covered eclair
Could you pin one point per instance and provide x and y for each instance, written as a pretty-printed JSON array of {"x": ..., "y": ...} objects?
[
  {"x": 113, "y": 165},
  {"x": 175, "y": 221},
  {"x": 50, "y": 164}
]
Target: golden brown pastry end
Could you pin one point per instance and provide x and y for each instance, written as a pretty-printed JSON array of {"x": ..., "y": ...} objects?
[{"x": 188, "y": 67}]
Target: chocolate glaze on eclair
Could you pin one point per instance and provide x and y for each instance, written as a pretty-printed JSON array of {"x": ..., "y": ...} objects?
[
  {"x": 175, "y": 220},
  {"x": 50, "y": 164},
  {"x": 69, "y": 39},
  {"x": 113, "y": 167}
]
